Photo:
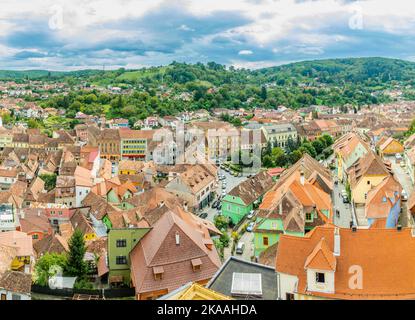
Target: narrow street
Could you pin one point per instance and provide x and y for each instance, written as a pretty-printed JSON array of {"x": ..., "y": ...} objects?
[
  {"x": 402, "y": 176},
  {"x": 344, "y": 208},
  {"x": 231, "y": 182}
]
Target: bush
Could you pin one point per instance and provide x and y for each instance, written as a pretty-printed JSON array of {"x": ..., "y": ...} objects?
[
  {"x": 83, "y": 283},
  {"x": 221, "y": 222},
  {"x": 224, "y": 239},
  {"x": 46, "y": 267}
]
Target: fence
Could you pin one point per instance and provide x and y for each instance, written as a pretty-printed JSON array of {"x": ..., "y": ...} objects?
[{"x": 107, "y": 293}]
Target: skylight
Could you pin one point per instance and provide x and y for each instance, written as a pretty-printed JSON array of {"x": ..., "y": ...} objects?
[{"x": 246, "y": 284}]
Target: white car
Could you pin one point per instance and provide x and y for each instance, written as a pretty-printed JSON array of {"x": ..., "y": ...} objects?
[
  {"x": 404, "y": 195},
  {"x": 250, "y": 227},
  {"x": 251, "y": 214},
  {"x": 223, "y": 193}
]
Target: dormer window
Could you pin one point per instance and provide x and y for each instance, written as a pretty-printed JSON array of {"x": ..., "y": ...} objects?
[
  {"x": 158, "y": 273},
  {"x": 320, "y": 277},
  {"x": 384, "y": 199},
  {"x": 196, "y": 264}
]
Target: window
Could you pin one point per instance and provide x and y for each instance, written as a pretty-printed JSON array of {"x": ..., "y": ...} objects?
[
  {"x": 368, "y": 182},
  {"x": 320, "y": 277},
  {"x": 158, "y": 273},
  {"x": 35, "y": 237},
  {"x": 16, "y": 297},
  {"x": 121, "y": 243},
  {"x": 121, "y": 260},
  {"x": 384, "y": 199},
  {"x": 3, "y": 296},
  {"x": 196, "y": 264},
  {"x": 265, "y": 241},
  {"x": 289, "y": 296},
  {"x": 308, "y": 216}
]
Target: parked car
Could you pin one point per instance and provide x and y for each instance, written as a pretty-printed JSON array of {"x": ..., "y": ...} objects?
[
  {"x": 215, "y": 204},
  {"x": 223, "y": 193},
  {"x": 250, "y": 227},
  {"x": 251, "y": 214},
  {"x": 345, "y": 198},
  {"x": 240, "y": 247},
  {"x": 203, "y": 215},
  {"x": 219, "y": 207}
]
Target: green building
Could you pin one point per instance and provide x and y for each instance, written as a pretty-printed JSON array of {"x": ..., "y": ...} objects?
[
  {"x": 120, "y": 244},
  {"x": 241, "y": 199},
  {"x": 293, "y": 209},
  {"x": 267, "y": 233}
]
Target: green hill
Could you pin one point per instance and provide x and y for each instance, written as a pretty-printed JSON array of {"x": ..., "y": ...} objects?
[{"x": 334, "y": 82}]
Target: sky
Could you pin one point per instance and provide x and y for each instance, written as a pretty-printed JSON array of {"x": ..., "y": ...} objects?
[{"x": 81, "y": 34}]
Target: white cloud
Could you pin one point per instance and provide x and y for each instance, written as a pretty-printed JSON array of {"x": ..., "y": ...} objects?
[
  {"x": 183, "y": 27},
  {"x": 276, "y": 27},
  {"x": 245, "y": 52}
]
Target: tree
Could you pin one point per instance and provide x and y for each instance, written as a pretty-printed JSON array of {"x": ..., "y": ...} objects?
[
  {"x": 267, "y": 162},
  {"x": 221, "y": 222},
  {"x": 318, "y": 145},
  {"x": 46, "y": 267},
  {"x": 295, "y": 156},
  {"x": 277, "y": 152},
  {"x": 328, "y": 139},
  {"x": 291, "y": 145},
  {"x": 33, "y": 123},
  {"x": 268, "y": 149},
  {"x": 278, "y": 157},
  {"x": 49, "y": 179},
  {"x": 76, "y": 265},
  {"x": 308, "y": 147},
  {"x": 264, "y": 93}
]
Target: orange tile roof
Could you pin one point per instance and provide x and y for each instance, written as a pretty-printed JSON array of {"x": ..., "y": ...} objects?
[
  {"x": 321, "y": 258},
  {"x": 385, "y": 256},
  {"x": 382, "y": 198}
]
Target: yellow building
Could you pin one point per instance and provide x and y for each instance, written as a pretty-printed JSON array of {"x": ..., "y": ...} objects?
[
  {"x": 391, "y": 147},
  {"x": 348, "y": 150},
  {"x": 130, "y": 167},
  {"x": 195, "y": 291},
  {"x": 366, "y": 174}
]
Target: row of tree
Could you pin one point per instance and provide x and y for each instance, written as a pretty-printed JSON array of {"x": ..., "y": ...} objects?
[{"x": 277, "y": 157}]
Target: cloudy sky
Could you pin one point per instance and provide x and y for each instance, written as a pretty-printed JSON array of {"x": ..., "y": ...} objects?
[{"x": 79, "y": 34}]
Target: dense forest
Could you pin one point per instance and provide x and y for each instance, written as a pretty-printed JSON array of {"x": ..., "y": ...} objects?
[{"x": 179, "y": 86}]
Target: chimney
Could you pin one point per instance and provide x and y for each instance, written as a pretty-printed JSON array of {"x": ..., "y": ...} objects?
[
  {"x": 177, "y": 238},
  {"x": 399, "y": 227},
  {"x": 38, "y": 213},
  {"x": 161, "y": 204},
  {"x": 336, "y": 241},
  {"x": 302, "y": 179},
  {"x": 354, "y": 228}
]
